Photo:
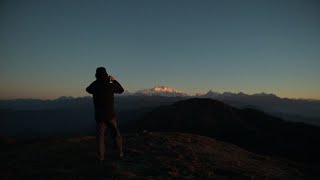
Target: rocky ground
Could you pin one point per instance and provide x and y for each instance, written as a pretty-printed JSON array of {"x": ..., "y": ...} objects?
[{"x": 148, "y": 155}]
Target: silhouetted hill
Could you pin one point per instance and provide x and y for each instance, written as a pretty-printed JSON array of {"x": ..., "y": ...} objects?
[
  {"x": 147, "y": 156},
  {"x": 248, "y": 128}
]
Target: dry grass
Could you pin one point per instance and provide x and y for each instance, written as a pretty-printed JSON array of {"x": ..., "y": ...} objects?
[{"x": 147, "y": 156}]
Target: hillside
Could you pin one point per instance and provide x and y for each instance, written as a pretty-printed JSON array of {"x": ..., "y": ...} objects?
[
  {"x": 147, "y": 156},
  {"x": 249, "y": 128}
]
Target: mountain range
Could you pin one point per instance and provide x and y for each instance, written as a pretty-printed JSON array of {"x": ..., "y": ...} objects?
[
  {"x": 299, "y": 110},
  {"x": 171, "y": 92},
  {"x": 161, "y": 91},
  {"x": 65, "y": 116}
]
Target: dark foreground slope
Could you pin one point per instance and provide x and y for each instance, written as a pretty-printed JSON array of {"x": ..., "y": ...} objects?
[
  {"x": 147, "y": 156},
  {"x": 251, "y": 129}
]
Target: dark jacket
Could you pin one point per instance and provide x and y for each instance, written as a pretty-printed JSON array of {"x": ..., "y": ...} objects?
[{"x": 103, "y": 98}]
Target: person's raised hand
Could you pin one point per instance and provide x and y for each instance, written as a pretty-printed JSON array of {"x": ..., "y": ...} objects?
[{"x": 112, "y": 78}]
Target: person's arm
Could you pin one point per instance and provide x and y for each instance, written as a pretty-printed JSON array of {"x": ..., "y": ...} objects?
[
  {"x": 117, "y": 88},
  {"x": 90, "y": 88}
]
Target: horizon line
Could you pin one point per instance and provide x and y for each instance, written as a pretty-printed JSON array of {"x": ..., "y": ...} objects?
[{"x": 135, "y": 93}]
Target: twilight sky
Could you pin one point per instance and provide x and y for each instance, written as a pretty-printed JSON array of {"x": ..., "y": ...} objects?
[{"x": 51, "y": 48}]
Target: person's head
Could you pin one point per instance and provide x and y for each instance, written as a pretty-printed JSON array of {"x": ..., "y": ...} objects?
[{"x": 101, "y": 73}]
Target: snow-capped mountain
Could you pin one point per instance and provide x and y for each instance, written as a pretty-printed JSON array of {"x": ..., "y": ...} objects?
[{"x": 162, "y": 91}]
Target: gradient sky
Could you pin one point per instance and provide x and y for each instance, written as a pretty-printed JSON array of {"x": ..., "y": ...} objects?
[{"x": 51, "y": 48}]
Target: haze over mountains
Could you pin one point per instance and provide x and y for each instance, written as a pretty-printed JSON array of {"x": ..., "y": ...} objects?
[{"x": 300, "y": 110}]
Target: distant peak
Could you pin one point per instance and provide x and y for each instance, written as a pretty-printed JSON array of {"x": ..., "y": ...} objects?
[
  {"x": 165, "y": 89},
  {"x": 265, "y": 94},
  {"x": 228, "y": 93},
  {"x": 162, "y": 91},
  {"x": 212, "y": 93},
  {"x": 242, "y": 94}
]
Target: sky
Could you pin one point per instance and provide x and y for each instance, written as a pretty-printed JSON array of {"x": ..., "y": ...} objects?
[{"x": 51, "y": 48}]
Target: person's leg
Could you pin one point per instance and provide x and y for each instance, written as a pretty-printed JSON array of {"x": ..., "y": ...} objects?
[
  {"x": 115, "y": 134},
  {"x": 101, "y": 126}
]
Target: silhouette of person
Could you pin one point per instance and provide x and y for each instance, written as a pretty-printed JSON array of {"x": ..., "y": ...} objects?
[{"x": 102, "y": 90}]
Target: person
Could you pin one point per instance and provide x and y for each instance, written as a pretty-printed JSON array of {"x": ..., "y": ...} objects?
[{"x": 102, "y": 90}]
